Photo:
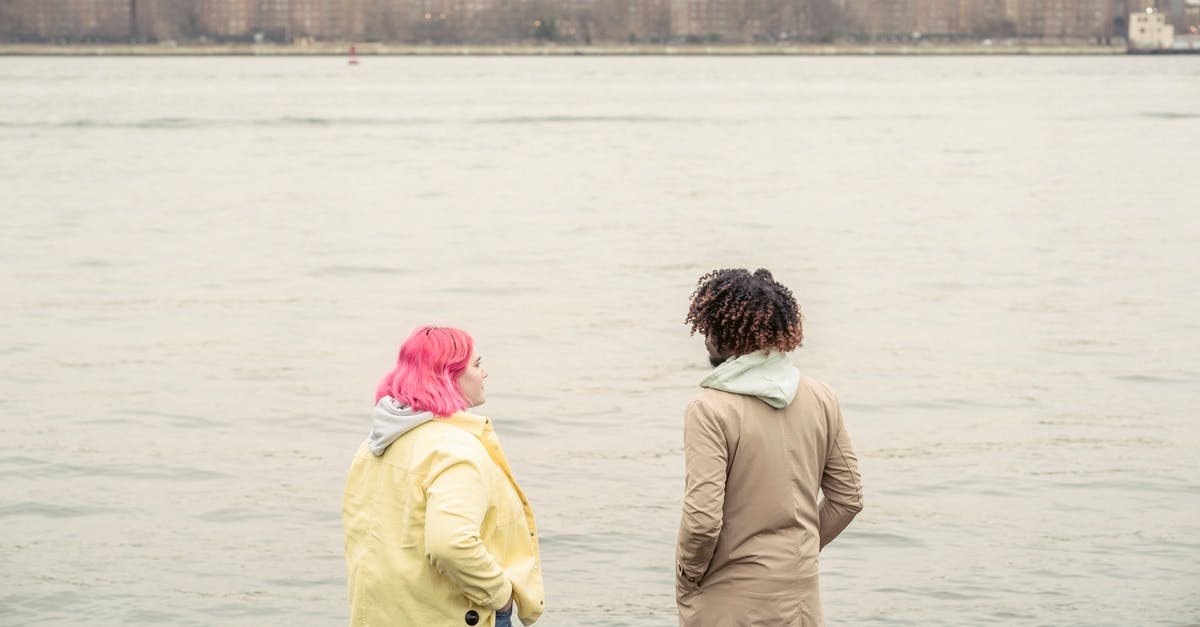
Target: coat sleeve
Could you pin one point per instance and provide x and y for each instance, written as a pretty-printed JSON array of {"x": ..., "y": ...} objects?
[
  {"x": 841, "y": 483},
  {"x": 706, "y": 456},
  {"x": 456, "y": 500}
]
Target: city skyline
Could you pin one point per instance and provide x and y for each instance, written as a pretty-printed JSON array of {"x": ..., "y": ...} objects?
[{"x": 577, "y": 21}]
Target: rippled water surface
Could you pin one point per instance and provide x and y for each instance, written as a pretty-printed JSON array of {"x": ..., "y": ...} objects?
[{"x": 207, "y": 263}]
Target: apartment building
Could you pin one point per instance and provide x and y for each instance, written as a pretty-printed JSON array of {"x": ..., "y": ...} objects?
[
  {"x": 884, "y": 19},
  {"x": 701, "y": 18},
  {"x": 228, "y": 18},
  {"x": 1064, "y": 19},
  {"x": 940, "y": 17},
  {"x": 67, "y": 20},
  {"x": 649, "y": 19}
]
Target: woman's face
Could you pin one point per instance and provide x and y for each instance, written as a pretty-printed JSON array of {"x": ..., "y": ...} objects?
[{"x": 470, "y": 381}]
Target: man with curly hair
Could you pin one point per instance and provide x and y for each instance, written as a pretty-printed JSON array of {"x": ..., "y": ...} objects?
[{"x": 771, "y": 477}]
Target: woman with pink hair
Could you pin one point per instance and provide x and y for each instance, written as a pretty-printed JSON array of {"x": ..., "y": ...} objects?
[{"x": 437, "y": 530}]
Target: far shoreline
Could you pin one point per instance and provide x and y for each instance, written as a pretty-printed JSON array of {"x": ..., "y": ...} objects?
[{"x": 342, "y": 49}]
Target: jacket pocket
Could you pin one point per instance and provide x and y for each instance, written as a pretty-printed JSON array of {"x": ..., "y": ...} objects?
[{"x": 685, "y": 587}]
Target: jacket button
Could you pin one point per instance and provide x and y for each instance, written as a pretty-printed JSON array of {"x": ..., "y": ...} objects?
[{"x": 472, "y": 617}]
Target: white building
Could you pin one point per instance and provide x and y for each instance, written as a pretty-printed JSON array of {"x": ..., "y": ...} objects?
[{"x": 1149, "y": 30}]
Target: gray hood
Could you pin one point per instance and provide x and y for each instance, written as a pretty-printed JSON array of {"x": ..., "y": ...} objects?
[
  {"x": 392, "y": 420},
  {"x": 770, "y": 377}
]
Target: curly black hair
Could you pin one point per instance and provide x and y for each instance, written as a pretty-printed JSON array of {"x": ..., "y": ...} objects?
[{"x": 743, "y": 312}]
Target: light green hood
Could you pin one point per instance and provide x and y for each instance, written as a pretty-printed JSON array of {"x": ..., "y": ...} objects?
[{"x": 770, "y": 377}]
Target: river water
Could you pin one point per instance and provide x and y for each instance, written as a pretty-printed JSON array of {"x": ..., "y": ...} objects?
[{"x": 207, "y": 263}]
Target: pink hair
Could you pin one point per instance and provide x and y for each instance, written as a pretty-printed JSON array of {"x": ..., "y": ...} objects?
[{"x": 426, "y": 374}]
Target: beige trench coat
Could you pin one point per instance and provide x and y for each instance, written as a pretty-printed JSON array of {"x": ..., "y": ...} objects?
[{"x": 752, "y": 526}]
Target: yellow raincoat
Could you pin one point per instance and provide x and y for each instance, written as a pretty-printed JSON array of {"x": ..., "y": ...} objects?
[{"x": 437, "y": 531}]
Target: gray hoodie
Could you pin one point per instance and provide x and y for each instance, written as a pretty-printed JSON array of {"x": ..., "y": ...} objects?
[{"x": 392, "y": 420}]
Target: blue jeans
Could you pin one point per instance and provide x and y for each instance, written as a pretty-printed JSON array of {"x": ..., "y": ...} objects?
[{"x": 504, "y": 619}]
